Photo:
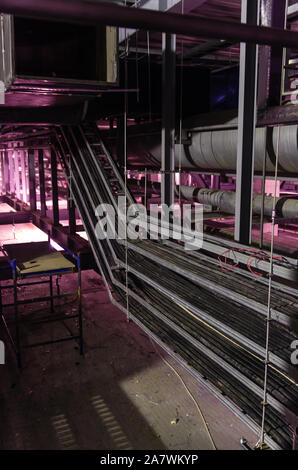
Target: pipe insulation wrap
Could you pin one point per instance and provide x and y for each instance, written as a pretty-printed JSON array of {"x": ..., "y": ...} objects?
[
  {"x": 217, "y": 149},
  {"x": 226, "y": 201}
]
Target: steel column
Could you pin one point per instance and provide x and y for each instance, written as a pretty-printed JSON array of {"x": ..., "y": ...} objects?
[
  {"x": 17, "y": 173},
  {"x": 24, "y": 177},
  {"x": 32, "y": 182},
  {"x": 71, "y": 214},
  {"x": 273, "y": 13},
  {"x": 6, "y": 172},
  {"x": 42, "y": 192},
  {"x": 11, "y": 172},
  {"x": 120, "y": 145},
  {"x": 3, "y": 190},
  {"x": 55, "y": 197},
  {"x": 246, "y": 127},
  {"x": 168, "y": 119}
]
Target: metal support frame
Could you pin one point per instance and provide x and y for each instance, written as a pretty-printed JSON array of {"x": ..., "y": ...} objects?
[
  {"x": 24, "y": 176},
  {"x": 16, "y": 173},
  {"x": 71, "y": 214},
  {"x": 2, "y": 172},
  {"x": 120, "y": 145},
  {"x": 263, "y": 191},
  {"x": 55, "y": 196},
  {"x": 11, "y": 172},
  {"x": 273, "y": 13},
  {"x": 32, "y": 182},
  {"x": 246, "y": 127},
  {"x": 15, "y": 338},
  {"x": 59, "y": 234},
  {"x": 42, "y": 192},
  {"x": 6, "y": 172},
  {"x": 168, "y": 119}
]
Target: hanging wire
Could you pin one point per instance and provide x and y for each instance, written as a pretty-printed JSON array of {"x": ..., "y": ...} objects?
[
  {"x": 188, "y": 392},
  {"x": 125, "y": 178},
  {"x": 181, "y": 107},
  {"x": 268, "y": 318}
]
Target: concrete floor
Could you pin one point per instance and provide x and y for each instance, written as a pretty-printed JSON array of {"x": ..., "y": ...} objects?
[{"x": 121, "y": 395}]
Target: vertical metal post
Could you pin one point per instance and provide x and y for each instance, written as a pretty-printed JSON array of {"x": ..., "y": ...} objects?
[
  {"x": 168, "y": 118},
  {"x": 16, "y": 314},
  {"x": 32, "y": 182},
  {"x": 6, "y": 172},
  {"x": 51, "y": 294},
  {"x": 2, "y": 173},
  {"x": 263, "y": 190},
  {"x": 120, "y": 146},
  {"x": 80, "y": 304},
  {"x": 42, "y": 191},
  {"x": 273, "y": 14},
  {"x": 1, "y": 308},
  {"x": 11, "y": 172},
  {"x": 246, "y": 127},
  {"x": 17, "y": 174},
  {"x": 24, "y": 176},
  {"x": 55, "y": 200},
  {"x": 71, "y": 214}
]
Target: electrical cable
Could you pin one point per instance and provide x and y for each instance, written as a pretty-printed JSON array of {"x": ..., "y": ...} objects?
[
  {"x": 189, "y": 393},
  {"x": 181, "y": 107},
  {"x": 125, "y": 181},
  {"x": 268, "y": 319}
]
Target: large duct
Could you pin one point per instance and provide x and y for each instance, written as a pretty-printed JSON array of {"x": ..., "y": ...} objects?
[
  {"x": 217, "y": 150},
  {"x": 226, "y": 201}
]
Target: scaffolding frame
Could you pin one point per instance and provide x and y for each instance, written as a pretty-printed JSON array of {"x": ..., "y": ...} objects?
[{"x": 19, "y": 275}]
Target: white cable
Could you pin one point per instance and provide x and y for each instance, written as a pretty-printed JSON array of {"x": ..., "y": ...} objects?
[
  {"x": 189, "y": 393},
  {"x": 268, "y": 319},
  {"x": 125, "y": 185},
  {"x": 181, "y": 104}
]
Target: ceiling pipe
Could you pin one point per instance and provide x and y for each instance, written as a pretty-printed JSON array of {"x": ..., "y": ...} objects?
[
  {"x": 226, "y": 201},
  {"x": 114, "y": 15}
]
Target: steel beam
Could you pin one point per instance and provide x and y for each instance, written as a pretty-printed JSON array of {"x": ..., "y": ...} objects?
[
  {"x": 55, "y": 196},
  {"x": 120, "y": 143},
  {"x": 168, "y": 119},
  {"x": 11, "y": 172},
  {"x": 246, "y": 127},
  {"x": 3, "y": 189},
  {"x": 273, "y": 14},
  {"x": 174, "y": 6},
  {"x": 24, "y": 176},
  {"x": 42, "y": 192},
  {"x": 16, "y": 173},
  {"x": 71, "y": 214},
  {"x": 109, "y": 14},
  {"x": 32, "y": 182},
  {"x": 293, "y": 12},
  {"x": 6, "y": 172}
]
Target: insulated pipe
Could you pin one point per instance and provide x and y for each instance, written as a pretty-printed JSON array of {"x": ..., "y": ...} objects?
[
  {"x": 225, "y": 201},
  {"x": 217, "y": 149},
  {"x": 90, "y": 12}
]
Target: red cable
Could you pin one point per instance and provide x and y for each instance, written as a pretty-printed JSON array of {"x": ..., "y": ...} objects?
[{"x": 255, "y": 254}]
